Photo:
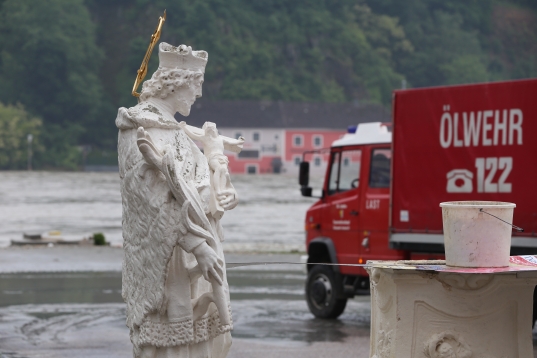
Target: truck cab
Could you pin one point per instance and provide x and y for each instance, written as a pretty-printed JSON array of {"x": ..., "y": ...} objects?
[{"x": 349, "y": 222}]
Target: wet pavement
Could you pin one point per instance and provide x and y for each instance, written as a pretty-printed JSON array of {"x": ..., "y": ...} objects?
[
  {"x": 262, "y": 329},
  {"x": 81, "y": 314}
]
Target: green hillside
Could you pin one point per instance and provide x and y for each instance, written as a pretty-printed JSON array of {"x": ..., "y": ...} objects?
[{"x": 72, "y": 63}]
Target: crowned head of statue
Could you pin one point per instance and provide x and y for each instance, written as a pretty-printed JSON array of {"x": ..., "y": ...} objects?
[{"x": 178, "y": 79}]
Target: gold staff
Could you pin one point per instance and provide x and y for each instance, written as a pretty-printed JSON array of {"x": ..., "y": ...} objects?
[{"x": 143, "y": 68}]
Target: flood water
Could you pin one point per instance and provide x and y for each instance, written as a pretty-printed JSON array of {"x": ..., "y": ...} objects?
[{"x": 269, "y": 216}]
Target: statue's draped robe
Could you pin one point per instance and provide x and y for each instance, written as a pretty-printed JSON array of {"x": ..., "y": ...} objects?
[{"x": 157, "y": 287}]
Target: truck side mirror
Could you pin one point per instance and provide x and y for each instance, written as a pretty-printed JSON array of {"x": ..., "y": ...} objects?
[
  {"x": 304, "y": 179},
  {"x": 306, "y": 191},
  {"x": 304, "y": 174}
]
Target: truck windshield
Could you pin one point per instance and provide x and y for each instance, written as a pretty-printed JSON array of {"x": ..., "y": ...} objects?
[
  {"x": 334, "y": 173},
  {"x": 345, "y": 171}
]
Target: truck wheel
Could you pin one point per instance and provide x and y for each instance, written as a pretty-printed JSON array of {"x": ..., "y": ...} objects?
[{"x": 321, "y": 293}]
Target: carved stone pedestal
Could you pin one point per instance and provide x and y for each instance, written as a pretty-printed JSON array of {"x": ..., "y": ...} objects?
[{"x": 429, "y": 310}]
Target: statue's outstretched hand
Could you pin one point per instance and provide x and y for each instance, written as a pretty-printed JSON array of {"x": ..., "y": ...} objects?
[
  {"x": 228, "y": 198},
  {"x": 209, "y": 263},
  {"x": 148, "y": 149}
]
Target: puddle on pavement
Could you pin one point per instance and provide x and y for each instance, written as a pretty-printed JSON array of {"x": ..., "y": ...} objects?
[
  {"x": 61, "y": 287},
  {"x": 105, "y": 287},
  {"x": 47, "y": 315},
  {"x": 264, "y": 285},
  {"x": 11, "y": 355},
  {"x": 291, "y": 321}
]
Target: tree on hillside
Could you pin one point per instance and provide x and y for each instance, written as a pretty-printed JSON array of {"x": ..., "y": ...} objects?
[
  {"x": 465, "y": 41},
  {"x": 15, "y": 126},
  {"x": 297, "y": 50},
  {"x": 445, "y": 53},
  {"x": 513, "y": 41},
  {"x": 49, "y": 62}
]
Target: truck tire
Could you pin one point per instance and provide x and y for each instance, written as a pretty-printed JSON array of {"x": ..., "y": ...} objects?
[{"x": 322, "y": 289}]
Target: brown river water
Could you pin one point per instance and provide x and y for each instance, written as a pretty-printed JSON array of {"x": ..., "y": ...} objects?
[{"x": 269, "y": 217}]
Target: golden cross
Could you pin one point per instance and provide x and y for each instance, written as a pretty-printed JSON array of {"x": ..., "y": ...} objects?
[{"x": 143, "y": 68}]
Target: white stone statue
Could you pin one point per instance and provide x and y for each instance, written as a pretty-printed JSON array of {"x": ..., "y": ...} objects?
[
  {"x": 213, "y": 148},
  {"x": 174, "y": 277}
]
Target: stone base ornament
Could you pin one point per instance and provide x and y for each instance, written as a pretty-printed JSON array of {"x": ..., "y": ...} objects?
[{"x": 424, "y": 309}]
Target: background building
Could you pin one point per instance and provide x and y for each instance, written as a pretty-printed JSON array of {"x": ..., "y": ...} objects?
[{"x": 278, "y": 133}]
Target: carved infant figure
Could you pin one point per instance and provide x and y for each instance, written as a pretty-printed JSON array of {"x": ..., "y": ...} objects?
[{"x": 213, "y": 148}]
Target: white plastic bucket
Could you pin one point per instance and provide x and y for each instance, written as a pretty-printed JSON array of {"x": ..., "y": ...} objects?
[{"x": 473, "y": 238}]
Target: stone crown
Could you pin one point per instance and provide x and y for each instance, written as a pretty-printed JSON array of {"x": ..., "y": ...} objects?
[{"x": 181, "y": 57}]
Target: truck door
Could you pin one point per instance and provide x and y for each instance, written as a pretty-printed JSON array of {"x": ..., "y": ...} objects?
[
  {"x": 375, "y": 206},
  {"x": 342, "y": 205}
]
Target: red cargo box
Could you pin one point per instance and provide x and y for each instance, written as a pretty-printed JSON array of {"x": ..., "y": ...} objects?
[{"x": 471, "y": 142}]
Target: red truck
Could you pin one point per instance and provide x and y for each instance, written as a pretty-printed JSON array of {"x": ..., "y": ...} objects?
[{"x": 382, "y": 189}]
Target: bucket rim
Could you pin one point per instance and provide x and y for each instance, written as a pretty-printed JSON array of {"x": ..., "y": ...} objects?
[{"x": 476, "y": 204}]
